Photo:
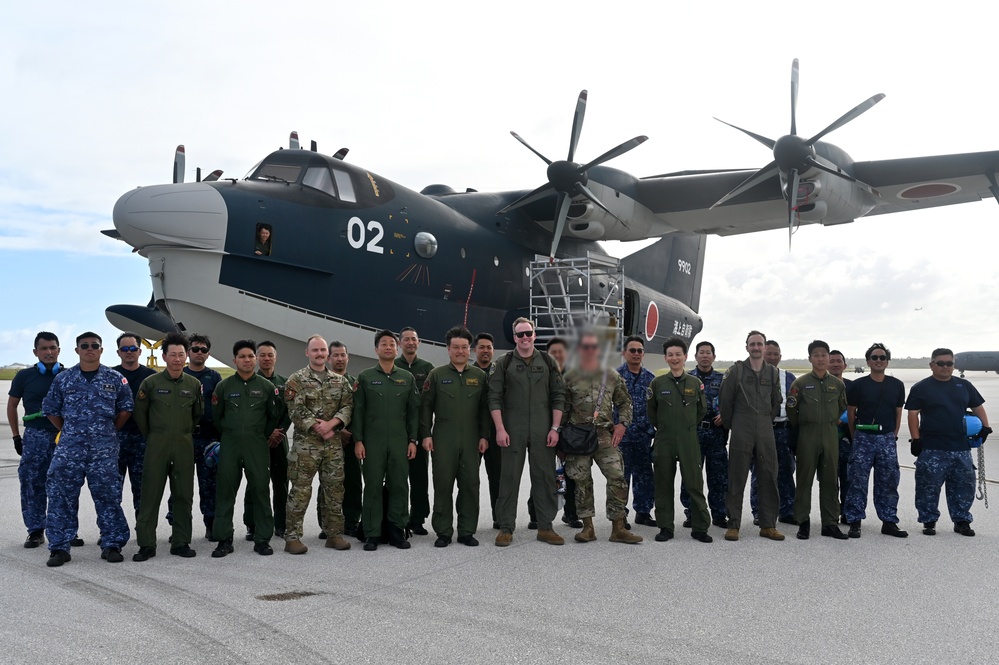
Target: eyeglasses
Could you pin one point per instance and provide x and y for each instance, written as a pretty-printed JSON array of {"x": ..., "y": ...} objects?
[
  {"x": 97, "y": 345},
  {"x": 638, "y": 350},
  {"x": 589, "y": 347},
  {"x": 128, "y": 349},
  {"x": 524, "y": 333},
  {"x": 199, "y": 349},
  {"x": 880, "y": 359},
  {"x": 943, "y": 363}
]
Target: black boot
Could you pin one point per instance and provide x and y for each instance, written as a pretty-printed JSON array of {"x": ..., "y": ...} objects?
[
  {"x": 930, "y": 529},
  {"x": 804, "y": 530},
  {"x": 571, "y": 520},
  {"x": 832, "y": 531},
  {"x": 854, "y": 529},
  {"x": 223, "y": 548},
  {"x": 891, "y": 529},
  {"x": 371, "y": 544},
  {"x": 397, "y": 538},
  {"x": 644, "y": 518},
  {"x": 964, "y": 528}
]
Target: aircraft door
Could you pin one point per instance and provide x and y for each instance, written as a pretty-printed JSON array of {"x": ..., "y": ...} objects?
[{"x": 632, "y": 303}]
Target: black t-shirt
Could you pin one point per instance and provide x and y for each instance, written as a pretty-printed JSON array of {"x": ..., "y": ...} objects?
[
  {"x": 876, "y": 402},
  {"x": 134, "y": 378},
  {"x": 941, "y": 406},
  {"x": 31, "y": 387}
]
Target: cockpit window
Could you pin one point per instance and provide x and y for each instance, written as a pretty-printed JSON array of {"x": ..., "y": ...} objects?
[
  {"x": 318, "y": 177},
  {"x": 344, "y": 186},
  {"x": 277, "y": 172}
]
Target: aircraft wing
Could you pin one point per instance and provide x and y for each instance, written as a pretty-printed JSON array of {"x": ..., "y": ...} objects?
[{"x": 683, "y": 200}]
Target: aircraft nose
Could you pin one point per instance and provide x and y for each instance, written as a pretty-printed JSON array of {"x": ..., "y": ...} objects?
[{"x": 190, "y": 215}]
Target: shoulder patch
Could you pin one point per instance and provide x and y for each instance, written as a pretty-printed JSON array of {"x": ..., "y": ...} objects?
[
  {"x": 426, "y": 385},
  {"x": 141, "y": 395},
  {"x": 124, "y": 381},
  {"x": 289, "y": 393},
  {"x": 215, "y": 398},
  {"x": 792, "y": 401},
  {"x": 277, "y": 392}
]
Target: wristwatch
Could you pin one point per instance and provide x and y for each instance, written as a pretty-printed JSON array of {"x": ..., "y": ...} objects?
[{"x": 557, "y": 429}]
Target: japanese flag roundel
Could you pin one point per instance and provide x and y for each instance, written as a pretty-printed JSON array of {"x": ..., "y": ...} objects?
[{"x": 651, "y": 321}]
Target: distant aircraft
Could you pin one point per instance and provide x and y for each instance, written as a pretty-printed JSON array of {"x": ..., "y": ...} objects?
[
  {"x": 347, "y": 251},
  {"x": 977, "y": 361},
  {"x": 919, "y": 309}
]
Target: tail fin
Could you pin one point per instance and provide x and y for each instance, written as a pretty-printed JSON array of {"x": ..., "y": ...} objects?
[{"x": 673, "y": 266}]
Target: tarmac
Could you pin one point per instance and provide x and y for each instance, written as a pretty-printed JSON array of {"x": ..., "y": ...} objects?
[{"x": 873, "y": 600}]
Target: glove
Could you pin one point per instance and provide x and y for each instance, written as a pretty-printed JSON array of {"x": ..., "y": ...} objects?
[
  {"x": 984, "y": 434},
  {"x": 792, "y": 440},
  {"x": 19, "y": 446},
  {"x": 915, "y": 447}
]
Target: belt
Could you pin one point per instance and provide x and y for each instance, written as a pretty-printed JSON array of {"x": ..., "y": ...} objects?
[
  {"x": 782, "y": 425},
  {"x": 707, "y": 424}
]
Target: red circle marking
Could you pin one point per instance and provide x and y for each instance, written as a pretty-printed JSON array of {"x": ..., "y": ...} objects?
[
  {"x": 928, "y": 191},
  {"x": 651, "y": 321}
]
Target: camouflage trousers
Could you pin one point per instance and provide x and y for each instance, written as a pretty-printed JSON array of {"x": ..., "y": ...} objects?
[
  {"x": 39, "y": 444},
  {"x": 714, "y": 457},
  {"x": 309, "y": 456},
  {"x": 953, "y": 468},
  {"x": 877, "y": 451},
  {"x": 637, "y": 453},
  {"x": 131, "y": 453},
  {"x": 611, "y": 464},
  {"x": 95, "y": 461},
  {"x": 785, "y": 476},
  {"x": 845, "y": 448}
]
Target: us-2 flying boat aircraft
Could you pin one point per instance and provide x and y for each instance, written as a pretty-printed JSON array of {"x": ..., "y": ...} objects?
[{"x": 310, "y": 243}]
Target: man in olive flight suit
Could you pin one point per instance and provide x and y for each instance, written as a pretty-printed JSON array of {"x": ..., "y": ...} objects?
[
  {"x": 419, "y": 485},
  {"x": 385, "y": 423},
  {"x": 168, "y": 406},
  {"x": 527, "y": 401},
  {"x": 814, "y": 405},
  {"x": 454, "y": 427},
  {"x": 320, "y": 402},
  {"x": 676, "y": 404},
  {"x": 245, "y": 409}
]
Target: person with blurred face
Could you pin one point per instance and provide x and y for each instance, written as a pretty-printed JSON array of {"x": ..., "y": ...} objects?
[
  {"x": 353, "y": 486},
  {"x": 636, "y": 446},
  {"x": 131, "y": 442},
  {"x": 749, "y": 401},
  {"x": 814, "y": 405},
  {"x": 454, "y": 424},
  {"x": 676, "y": 404},
  {"x": 837, "y": 365},
  {"x": 491, "y": 459},
  {"x": 168, "y": 406},
  {"x": 940, "y": 442},
  {"x": 712, "y": 438},
  {"x": 419, "y": 479},
  {"x": 785, "y": 457}
]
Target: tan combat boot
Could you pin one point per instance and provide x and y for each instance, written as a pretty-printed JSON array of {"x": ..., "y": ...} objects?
[
  {"x": 622, "y": 535},
  {"x": 550, "y": 537},
  {"x": 337, "y": 542},
  {"x": 772, "y": 534},
  {"x": 587, "y": 535},
  {"x": 503, "y": 538},
  {"x": 731, "y": 534},
  {"x": 295, "y": 547}
]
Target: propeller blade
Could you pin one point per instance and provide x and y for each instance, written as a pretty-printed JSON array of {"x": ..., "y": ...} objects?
[
  {"x": 616, "y": 152},
  {"x": 213, "y": 176},
  {"x": 539, "y": 193},
  {"x": 528, "y": 146},
  {"x": 562, "y": 212},
  {"x": 762, "y": 139},
  {"x": 794, "y": 97},
  {"x": 577, "y": 124},
  {"x": 293, "y": 141},
  {"x": 593, "y": 197},
  {"x": 858, "y": 110},
  {"x": 792, "y": 203},
  {"x": 768, "y": 171},
  {"x": 845, "y": 176},
  {"x": 179, "y": 162}
]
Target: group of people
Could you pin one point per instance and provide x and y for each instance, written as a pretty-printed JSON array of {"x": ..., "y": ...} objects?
[{"x": 371, "y": 438}]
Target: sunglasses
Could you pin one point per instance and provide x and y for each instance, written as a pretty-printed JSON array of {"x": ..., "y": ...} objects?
[
  {"x": 128, "y": 349},
  {"x": 199, "y": 349},
  {"x": 589, "y": 347},
  {"x": 879, "y": 358},
  {"x": 943, "y": 363},
  {"x": 638, "y": 351},
  {"x": 525, "y": 333},
  {"x": 96, "y": 346}
]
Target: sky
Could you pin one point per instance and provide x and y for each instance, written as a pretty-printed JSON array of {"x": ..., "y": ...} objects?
[{"x": 97, "y": 96}]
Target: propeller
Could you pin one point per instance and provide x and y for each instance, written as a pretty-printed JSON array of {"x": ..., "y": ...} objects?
[
  {"x": 179, "y": 162},
  {"x": 568, "y": 178},
  {"x": 793, "y": 155}
]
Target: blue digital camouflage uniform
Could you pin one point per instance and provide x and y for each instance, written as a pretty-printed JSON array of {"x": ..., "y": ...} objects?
[
  {"x": 845, "y": 447},
  {"x": 636, "y": 446},
  {"x": 714, "y": 456},
  {"x": 946, "y": 456},
  {"x": 785, "y": 458},
  {"x": 31, "y": 386},
  {"x": 87, "y": 449},
  {"x": 131, "y": 443}
]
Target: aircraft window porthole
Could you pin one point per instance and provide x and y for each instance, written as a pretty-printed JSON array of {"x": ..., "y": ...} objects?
[
  {"x": 263, "y": 241},
  {"x": 496, "y": 261},
  {"x": 426, "y": 244},
  {"x": 462, "y": 252},
  {"x": 527, "y": 272}
]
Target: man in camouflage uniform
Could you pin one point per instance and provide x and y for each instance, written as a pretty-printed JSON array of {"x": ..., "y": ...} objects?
[
  {"x": 320, "y": 402},
  {"x": 712, "y": 438},
  {"x": 636, "y": 446},
  {"x": 814, "y": 405},
  {"x": 88, "y": 404},
  {"x": 593, "y": 393}
]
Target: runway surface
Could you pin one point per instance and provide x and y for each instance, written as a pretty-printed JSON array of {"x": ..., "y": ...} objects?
[{"x": 874, "y": 600}]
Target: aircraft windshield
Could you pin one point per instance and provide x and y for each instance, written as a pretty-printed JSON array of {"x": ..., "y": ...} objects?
[{"x": 277, "y": 172}]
